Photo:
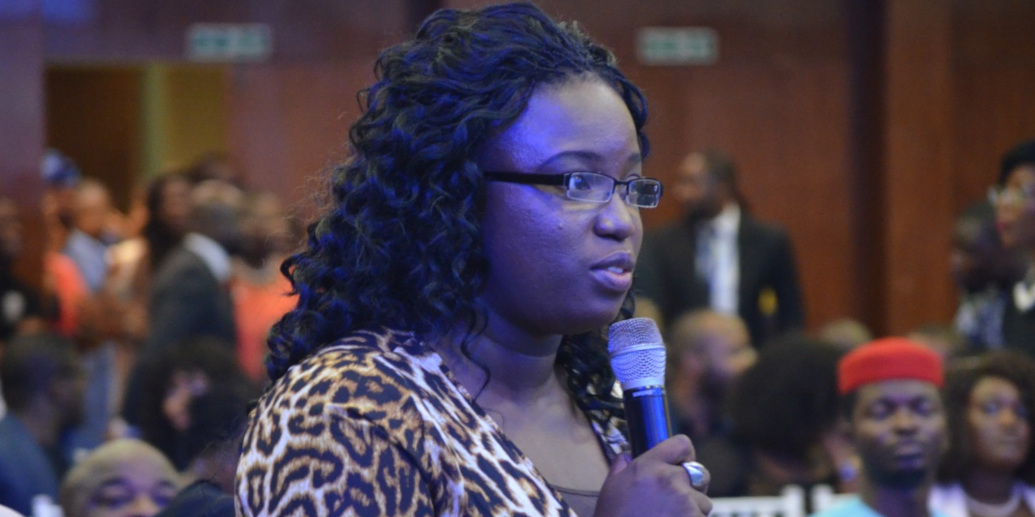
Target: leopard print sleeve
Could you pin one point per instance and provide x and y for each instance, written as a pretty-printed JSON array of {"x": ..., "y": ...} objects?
[
  {"x": 311, "y": 450},
  {"x": 346, "y": 467}
]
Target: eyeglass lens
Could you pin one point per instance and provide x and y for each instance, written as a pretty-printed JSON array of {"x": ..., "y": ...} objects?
[{"x": 589, "y": 186}]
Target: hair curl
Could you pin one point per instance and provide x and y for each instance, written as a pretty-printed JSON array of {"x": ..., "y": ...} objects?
[
  {"x": 401, "y": 245},
  {"x": 1016, "y": 368}
]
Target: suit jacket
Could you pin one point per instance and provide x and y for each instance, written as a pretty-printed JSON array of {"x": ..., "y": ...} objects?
[
  {"x": 188, "y": 301},
  {"x": 768, "y": 295},
  {"x": 1018, "y": 327}
]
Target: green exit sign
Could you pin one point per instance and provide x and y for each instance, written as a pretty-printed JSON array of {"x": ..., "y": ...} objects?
[
  {"x": 677, "y": 46},
  {"x": 229, "y": 42}
]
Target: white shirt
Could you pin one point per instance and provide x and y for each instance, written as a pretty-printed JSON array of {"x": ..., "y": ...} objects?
[
  {"x": 722, "y": 265},
  {"x": 211, "y": 253}
]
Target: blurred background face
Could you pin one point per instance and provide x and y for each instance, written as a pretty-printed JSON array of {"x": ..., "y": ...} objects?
[
  {"x": 999, "y": 425},
  {"x": 1015, "y": 210},
  {"x": 975, "y": 252},
  {"x": 93, "y": 210},
  {"x": 174, "y": 205},
  {"x": 727, "y": 351},
  {"x": 131, "y": 485},
  {"x": 266, "y": 229},
  {"x": 697, "y": 188}
]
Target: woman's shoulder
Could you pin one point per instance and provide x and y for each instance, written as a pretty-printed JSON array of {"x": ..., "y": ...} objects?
[{"x": 365, "y": 368}]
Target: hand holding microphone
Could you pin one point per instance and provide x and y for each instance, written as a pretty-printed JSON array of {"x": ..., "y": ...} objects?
[{"x": 638, "y": 359}]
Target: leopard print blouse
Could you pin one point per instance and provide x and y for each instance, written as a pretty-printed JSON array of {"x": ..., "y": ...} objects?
[{"x": 376, "y": 425}]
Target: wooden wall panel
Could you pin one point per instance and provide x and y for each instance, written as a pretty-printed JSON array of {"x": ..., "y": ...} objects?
[
  {"x": 291, "y": 123},
  {"x": 867, "y": 188},
  {"x": 994, "y": 68},
  {"x": 22, "y": 127},
  {"x": 303, "y": 30},
  {"x": 93, "y": 118},
  {"x": 918, "y": 184}
]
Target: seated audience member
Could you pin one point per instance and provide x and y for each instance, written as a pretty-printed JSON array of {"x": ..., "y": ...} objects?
[
  {"x": 944, "y": 340},
  {"x": 122, "y": 478},
  {"x": 893, "y": 413},
  {"x": 216, "y": 433},
  {"x": 989, "y": 470},
  {"x": 43, "y": 384},
  {"x": 1015, "y": 219},
  {"x": 193, "y": 394},
  {"x": 61, "y": 178},
  {"x": 984, "y": 271},
  {"x": 844, "y": 333},
  {"x": 90, "y": 237},
  {"x": 707, "y": 352},
  {"x": 784, "y": 421},
  {"x": 20, "y": 308}
]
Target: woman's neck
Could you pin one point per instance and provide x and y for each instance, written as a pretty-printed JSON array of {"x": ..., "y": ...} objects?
[
  {"x": 988, "y": 486},
  {"x": 517, "y": 367}
]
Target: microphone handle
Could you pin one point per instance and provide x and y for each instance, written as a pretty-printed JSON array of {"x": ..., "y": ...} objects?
[{"x": 646, "y": 413}]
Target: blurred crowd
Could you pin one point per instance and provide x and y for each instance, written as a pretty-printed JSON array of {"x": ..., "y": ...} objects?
[
  {"x": 758, "y": 394},
  {"x": 126, "y": 378},
  {"x": 138, "y": 356}
]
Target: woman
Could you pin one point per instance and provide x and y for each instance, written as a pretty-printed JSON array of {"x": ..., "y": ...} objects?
[
  {"x": 1014, "y": 201},
  {"x": 447, "y": 353},
  {"x": 783, "y": 413},
  {"x": 989, "y": 468},
  {"x": 122, "y": 478}
]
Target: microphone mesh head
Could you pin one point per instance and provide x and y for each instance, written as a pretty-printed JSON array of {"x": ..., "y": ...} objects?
[{"x": 637, "y": 353}]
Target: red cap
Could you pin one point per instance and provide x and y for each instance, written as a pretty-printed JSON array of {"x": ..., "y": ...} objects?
[{"x": 887, "y": 359}]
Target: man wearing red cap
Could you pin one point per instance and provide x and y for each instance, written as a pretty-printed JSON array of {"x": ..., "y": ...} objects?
[{"x": 893, "y": 413}]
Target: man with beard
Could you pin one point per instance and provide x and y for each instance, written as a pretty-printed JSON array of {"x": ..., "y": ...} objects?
[
  {"x": 892, "y": 411},
  {"x": 719, "y": 256}
]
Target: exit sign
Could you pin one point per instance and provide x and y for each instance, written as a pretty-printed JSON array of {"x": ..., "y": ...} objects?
[
  {"x": 677, "y": 45},
  {"x": 229, "y": 42}
]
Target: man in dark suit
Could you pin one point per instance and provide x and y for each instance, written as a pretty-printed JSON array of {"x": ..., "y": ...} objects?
[
  {"x": 189, "y": 297},
  {"x": 721, "y": 257}
]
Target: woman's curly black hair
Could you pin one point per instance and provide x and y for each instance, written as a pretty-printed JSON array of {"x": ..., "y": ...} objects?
[
  {"x": 1016, "y": 368},
  {"x": 401, "y": 246}
]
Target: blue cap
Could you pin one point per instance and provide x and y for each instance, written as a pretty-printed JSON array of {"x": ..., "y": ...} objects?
[{"x": 58, "y": 170}]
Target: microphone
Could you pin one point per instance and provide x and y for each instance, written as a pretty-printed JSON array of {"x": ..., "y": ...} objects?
[{"x": 637, "y": 356}]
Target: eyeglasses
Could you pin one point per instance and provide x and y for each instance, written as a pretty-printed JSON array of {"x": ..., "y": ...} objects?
[
  {"x": 1009, "y": 195},
  {"x": 589, "y": 186}
]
